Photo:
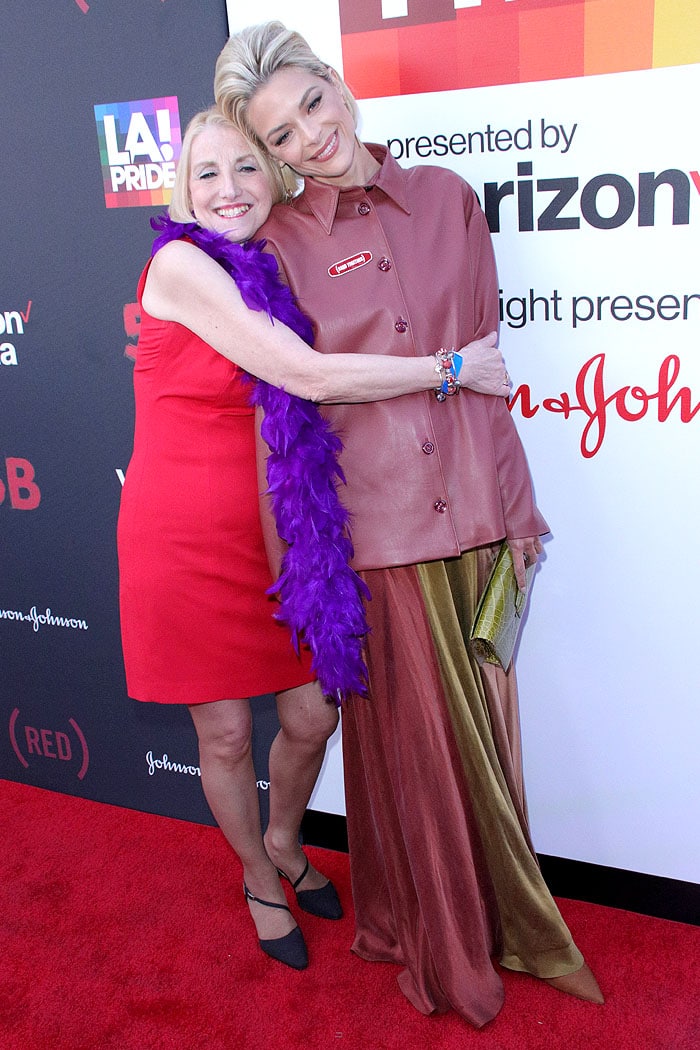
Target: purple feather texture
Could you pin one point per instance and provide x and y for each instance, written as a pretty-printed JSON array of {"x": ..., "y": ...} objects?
[{"x": 321, "y": 596}]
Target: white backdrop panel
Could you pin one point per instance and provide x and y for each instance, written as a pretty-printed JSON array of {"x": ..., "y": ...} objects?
[{"x": 608, "y": 686}]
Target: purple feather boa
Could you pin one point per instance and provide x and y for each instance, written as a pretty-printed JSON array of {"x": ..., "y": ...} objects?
[{"x": 321, "y": 597}]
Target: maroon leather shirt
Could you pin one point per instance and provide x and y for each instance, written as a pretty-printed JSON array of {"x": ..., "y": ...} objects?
[{"x": 404, "y": 267}]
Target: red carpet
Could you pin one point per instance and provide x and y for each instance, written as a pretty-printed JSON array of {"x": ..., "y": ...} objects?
[{"x": 123, "y": 930}]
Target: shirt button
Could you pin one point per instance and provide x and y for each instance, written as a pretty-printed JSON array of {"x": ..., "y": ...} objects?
[
  {"x": 401, "y": 325},
  {"x": 384, "y": 264},
  {"x": 440, "y": 505},
  {"x": 364, "y": 208},
  {"x": 428, "y": 447}
]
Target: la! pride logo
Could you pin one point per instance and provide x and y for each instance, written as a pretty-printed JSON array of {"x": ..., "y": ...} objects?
[{"x": 140, "y": 146}]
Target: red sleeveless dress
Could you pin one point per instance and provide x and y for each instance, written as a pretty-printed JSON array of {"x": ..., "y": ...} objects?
[{"x": 196, "y": 623}]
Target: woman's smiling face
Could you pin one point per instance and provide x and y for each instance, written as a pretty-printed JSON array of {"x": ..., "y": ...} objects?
[
  {"x": 230, "y": 192},
  {"x": 302, "y": 120}
]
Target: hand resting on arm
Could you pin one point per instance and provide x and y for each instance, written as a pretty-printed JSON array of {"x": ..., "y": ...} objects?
[{"x": 185, "y": 286}]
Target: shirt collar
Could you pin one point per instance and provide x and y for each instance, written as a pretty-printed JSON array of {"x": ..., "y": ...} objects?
[{"x": 322, "y": 200}]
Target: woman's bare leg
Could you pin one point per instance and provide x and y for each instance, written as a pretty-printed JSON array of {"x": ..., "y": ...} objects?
[
  {"x": 307, "y": 720},
  {"x": 228, "y": 779}
]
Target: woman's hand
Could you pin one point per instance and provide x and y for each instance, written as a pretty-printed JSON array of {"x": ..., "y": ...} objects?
[
  {"x": 483, "y": 368},
  {"x": 525, "y": 553}
]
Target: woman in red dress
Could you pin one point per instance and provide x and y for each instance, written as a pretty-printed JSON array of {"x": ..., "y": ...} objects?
[{"x": 198, "y": 625}]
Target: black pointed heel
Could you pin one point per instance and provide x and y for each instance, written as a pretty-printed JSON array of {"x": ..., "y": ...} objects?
[
  {"x": 290, "y": 949},
  {"x": 323, "y": 902}
]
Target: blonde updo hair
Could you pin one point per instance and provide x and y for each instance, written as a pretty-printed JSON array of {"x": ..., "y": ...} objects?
[
  {"x": 248, "y": 61},
  {"x": 180, "y": 208}
]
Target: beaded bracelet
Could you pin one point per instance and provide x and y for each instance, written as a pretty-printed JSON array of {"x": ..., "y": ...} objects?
[{"x": 445, "y": 368}]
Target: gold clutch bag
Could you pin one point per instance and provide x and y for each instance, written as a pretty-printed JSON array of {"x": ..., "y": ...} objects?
[{"x": 499, "y": 613}]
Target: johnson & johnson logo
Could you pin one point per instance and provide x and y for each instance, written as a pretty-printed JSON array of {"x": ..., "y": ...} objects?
[
  {"x": 43, "y": 619},
  {"x": 592, "y": 402},
  {"x": 164, "y": 764}
]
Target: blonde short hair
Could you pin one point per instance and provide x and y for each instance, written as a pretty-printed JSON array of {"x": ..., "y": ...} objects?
[
  {"x": 180, "y": 208},
  {"x": 252, "y": 56}
]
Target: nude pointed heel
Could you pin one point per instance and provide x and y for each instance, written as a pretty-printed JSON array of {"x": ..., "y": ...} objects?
[{"x": 581, "y": 984}]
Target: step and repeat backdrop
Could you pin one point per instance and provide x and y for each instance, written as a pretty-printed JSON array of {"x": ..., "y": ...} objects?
[
  {"x": 575, "y": 123},
  {"x": 95, "y": 97}
]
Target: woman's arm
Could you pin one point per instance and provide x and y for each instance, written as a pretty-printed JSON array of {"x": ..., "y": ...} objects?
[{"x": 186, "y": 286}]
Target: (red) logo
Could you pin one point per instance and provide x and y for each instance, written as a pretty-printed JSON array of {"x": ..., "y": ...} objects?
[
  {"x": 50, "y": 743},
  {"x": 351, "y": 263}
]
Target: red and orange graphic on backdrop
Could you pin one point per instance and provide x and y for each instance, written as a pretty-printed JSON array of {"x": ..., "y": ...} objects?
[{"x": 401, "y": 47}]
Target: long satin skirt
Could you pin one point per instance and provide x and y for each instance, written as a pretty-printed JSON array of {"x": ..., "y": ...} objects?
[{"x": 444, "y": 874}]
